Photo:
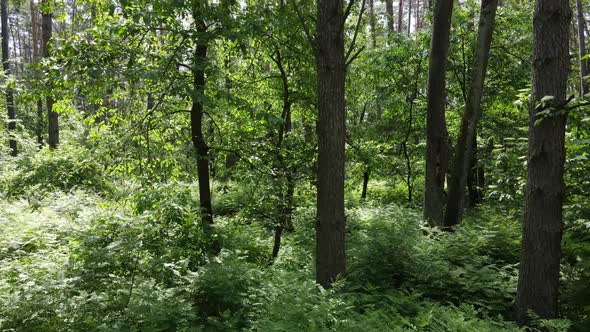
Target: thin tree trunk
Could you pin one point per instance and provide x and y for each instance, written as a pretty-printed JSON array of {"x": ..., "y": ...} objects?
[
  {"x": 582, "y": 49},
  {"x": 437, "y": 136},
  {"x": 538, "y": 282},
  {"x": 366, "y": 177},
  {"x": 464, "y": 147},
  {"x": 409, "y": 16},
  {"x": 372, "y": 23},
  {"x": 287, "y": 204},
  {"x": 197, "y": 113},
  {"x": 331, "y": 71},
  {"x": 400, "y": 16},
  {"x": 389, "y": 12},
  {"x": 52, "y": 116},
  {"x": 9, "y": 91}
]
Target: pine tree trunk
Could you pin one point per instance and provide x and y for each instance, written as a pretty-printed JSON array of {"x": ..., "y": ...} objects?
[
  {"x": 52, "y": 116},
  {"x": 538, "y": 283},
  {"x": 331, "y": 71},
  {"x": 464, "y": 147},
  {"x": 9, "y": 91},
  {"x": 582, "y": 48},
  {"x": 372, "y": 23},
  {"x": 400, "y": 16},
  {"x": 437, "y": 153}
]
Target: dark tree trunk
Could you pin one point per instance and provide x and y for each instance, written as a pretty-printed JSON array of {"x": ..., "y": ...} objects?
[
  {"x": 285, "y": 129},
  {"x": 197, "y": 113},
  {"x": 389, "y": 14},
  {"x": 437, "y": 153},
  {"x": 409, "y": 16},
  {"x": 331, "y": 71},
  {"x": 582, "y": 48},
  {"x": 9, "y": 91},
  {"x": 52, "y": 117},
  {"x": 538, "y": 283},
  {"x": 464, "y": 147},
  {"x": 366, "y": 177}
]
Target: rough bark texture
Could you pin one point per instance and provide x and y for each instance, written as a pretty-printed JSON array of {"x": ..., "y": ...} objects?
[
  {"x": 200, "y": 59},
  {"x": 464, "y": 146},
  {"x": 389, "y": 12},
  {"x": 331, "y": 70},
  {"x": 582, "y": 48},
  {"x": 6, "y": 66},
  {"x": 436, "y": 132},
  {"x": 538, "y": 283},
  {"x": 52, "y": 117}
]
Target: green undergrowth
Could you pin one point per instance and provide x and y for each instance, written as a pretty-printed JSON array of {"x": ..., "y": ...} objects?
[{"x": 81, "y": 261}]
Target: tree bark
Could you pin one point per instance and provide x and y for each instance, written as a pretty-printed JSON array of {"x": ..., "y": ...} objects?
[
  {"x": 400, "y": 16},
  {"x": 372, "y": 23},
  {"x": 582, "y": 49},
  {"x": 475, "y": 177},
  {"x": 464, "y": 146},
  {"x": 389, "y": 12},
  {"x": 436, "y": 132},
  {"x": 538, "y": 283},
  {"x": 285, "y": 129},
  {"x": 331, "y": 71},
  {"x": 9, "y": 90},
  {"x": 52, "y": 116},
  {"x": 200, "y": 60},
  {"x": 366, "y": 177}
]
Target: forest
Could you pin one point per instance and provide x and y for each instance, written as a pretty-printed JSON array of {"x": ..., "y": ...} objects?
[{"x": 295, "y": 165}]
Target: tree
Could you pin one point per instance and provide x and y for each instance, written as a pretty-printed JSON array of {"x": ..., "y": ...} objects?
[
  {"x": 198, "y": 71},
  {"x": 582, "y": 48},
  {"x": 465, "y": 143},
  {"x": 52, "y": 116},
  {"x": 331, "y": 131},
  {"x": 389, "y": 14},
  {"x": 538, "y": 282},
  {"x": 436, "y": 132},
  {"x": 6, "y": 67}
]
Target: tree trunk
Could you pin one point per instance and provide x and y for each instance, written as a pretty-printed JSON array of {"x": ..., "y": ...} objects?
[
  {"x": 52, "y": 117},
  {"x": 331, "y": 71},
  {"x": 372, "y": 23},
  {"x": 464, "y": 147},
  {"x": 400, "y": 16},
  {"x": 9, "y": 91},
  {"x": 437, "y": 136},
  {"x": 197, "y": 113},
  {"x": 538, "y": 283},
  {"x": 389, "y": 12},
  {"x": 366, "y": 177},
  {"x": 287, "y": 204},
  {"x": 582, "y": 49},
  {"x": 409, "y": 16}
]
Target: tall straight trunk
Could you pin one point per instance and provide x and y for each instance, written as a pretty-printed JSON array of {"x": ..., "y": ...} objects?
[
  {"x": 538, "y": 282},
  {"x": 582, "y": 48},
  {"x": 400, "y": 16},
  {"x": 36, "y": 53},
  {"x": 464, "y": 147},
  {"x": 366, "y": 178},
  {"x": 331, "y": 72},
  {"x": 437, "y": 153},
  {"x": 389, "y": 12},
  {"x": 372, "y": 23},
  {"x": 52, "y": 116},
  {"x": 200, "y": 60},
  {"x": 409, "y": 16},
  {"x": 6, "y": 66},
  {"x": 287, "y": 204}
]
